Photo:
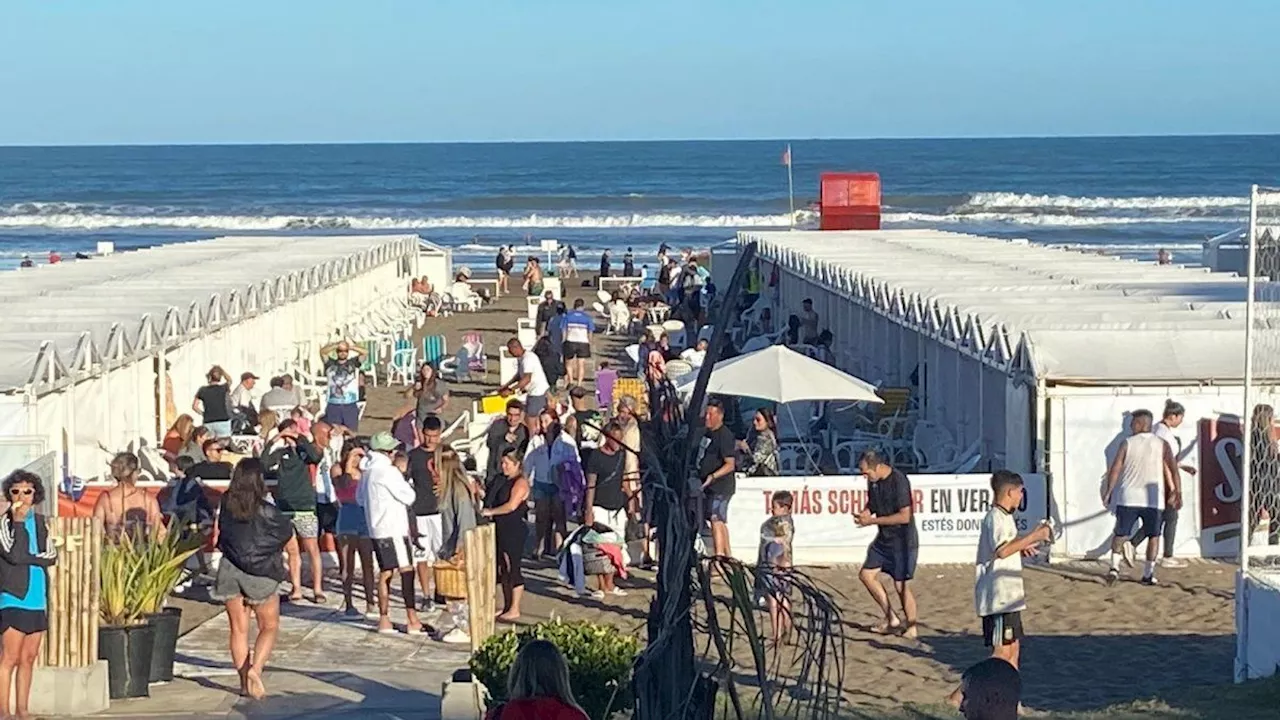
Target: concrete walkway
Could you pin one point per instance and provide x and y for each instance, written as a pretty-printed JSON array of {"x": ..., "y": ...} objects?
[{"x": 324, "y": 666}]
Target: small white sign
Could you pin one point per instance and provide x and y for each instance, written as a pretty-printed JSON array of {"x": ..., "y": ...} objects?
[{"x": 550, "y": 245}]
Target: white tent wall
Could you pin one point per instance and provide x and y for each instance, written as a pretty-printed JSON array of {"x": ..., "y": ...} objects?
[
  {"x": 1087, "y": 426},
  {"x": 108, "y": 398}
]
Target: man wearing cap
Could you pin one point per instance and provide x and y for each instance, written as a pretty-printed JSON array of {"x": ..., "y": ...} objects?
[
  {"x": 388, "y": 498},
  {"x": 546, "y": 311},
  {"x": 242, "y": 403},
  {"x": 342, "y": 363}
]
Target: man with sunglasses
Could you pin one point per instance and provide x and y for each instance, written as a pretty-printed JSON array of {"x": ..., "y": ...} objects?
[
  {"x": 342, "y": 363},
  {"x": 213, "y": 467}
]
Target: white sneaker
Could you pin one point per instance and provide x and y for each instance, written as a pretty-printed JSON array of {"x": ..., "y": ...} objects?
[
  {"x": 1173, "y": 562},
  {"x": 456, "y": 637},
  {"x": 618, "y": 592},
  {"x": 593, "y": 594}
]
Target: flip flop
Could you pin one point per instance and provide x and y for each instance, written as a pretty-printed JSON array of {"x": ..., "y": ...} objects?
[{"x": 319, "y": 599}]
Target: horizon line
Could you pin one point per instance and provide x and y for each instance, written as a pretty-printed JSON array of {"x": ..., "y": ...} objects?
[{"x": 354, "y": 143}]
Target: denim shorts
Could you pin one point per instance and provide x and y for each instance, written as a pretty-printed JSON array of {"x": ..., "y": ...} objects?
[
  {"x": 718, "y": 507},
  {"x": 352, "y": 522}
]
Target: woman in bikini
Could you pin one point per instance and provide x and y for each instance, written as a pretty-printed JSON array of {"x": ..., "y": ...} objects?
[{"x": 126, "y": 508}]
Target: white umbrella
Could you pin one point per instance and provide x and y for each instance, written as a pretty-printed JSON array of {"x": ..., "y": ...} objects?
[{"x": 782, "y": 375}]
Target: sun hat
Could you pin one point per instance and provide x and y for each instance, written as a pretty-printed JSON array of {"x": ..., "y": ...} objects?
[{"x": 384, "y": 441}]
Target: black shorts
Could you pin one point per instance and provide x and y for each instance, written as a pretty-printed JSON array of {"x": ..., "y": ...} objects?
[
  {"x": 1127, "y": 517},
  {"x": 572, "y": 350},
  {"x": 393, "y": 553},
  {"x": 897, "y": 560},
  {"x": 327, "y": 516},
  {"x": 27, "y": 622},
  {"x": 1005, "y": 629}
]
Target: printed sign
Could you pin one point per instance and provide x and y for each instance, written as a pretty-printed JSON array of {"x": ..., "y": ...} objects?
[
  {"x": 948, "y": 515},
  {"x": 1221, "y": 454}
]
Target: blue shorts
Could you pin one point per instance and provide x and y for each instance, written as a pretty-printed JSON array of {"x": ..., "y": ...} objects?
[
  {"x": 1127, "y": 516},
  {"x": 345, "y": 414},
  {"x": 352, "y": 522},
  {"x": 718, "y": 508},
  {"x": 897, "y": 560}
]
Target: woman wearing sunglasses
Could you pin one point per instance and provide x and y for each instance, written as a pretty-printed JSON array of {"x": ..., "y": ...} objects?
[{"x": 25, "y": 555}]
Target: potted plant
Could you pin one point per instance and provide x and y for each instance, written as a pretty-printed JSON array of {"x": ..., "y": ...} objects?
[
  {"x": 600, "y": 660},
  {"x": 163, "y": 560},
  {"x": 125, "y": 638}
]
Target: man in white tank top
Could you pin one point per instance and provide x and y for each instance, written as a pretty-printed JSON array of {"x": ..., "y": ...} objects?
[{"x": 1139, "y": 482}]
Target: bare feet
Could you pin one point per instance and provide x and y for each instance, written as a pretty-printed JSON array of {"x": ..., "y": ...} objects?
[
  {"x": 508, "y": 617},
  {"x": 955, "y": 697},
  {"x": 253, "y": 681},
  {"x": 910, "y": 632},
  {"x": 385, "y": 626},
  {"x": 887, "y": 627}
]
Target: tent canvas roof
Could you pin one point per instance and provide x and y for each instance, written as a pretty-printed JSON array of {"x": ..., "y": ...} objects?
[
  {"x": 1081, "y": 317},
  {"x": 110, "y": 296}
]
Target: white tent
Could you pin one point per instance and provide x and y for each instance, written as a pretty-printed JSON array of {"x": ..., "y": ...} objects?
[
  {"x": 1034, "y": 352},
  {"x": 81, "y": 342}
]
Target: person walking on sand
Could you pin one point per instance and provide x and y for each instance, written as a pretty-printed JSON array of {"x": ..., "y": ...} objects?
[
  {"x": 252, "y": 534},
  {"x": 890, "y": 508},
  {"x": 1171, "y": 419},
  {"x": 388, "y": 500},
  {"x": 531, "y": 379},
  {"x": 998, "y": 593},
  {"x": 578, "y": 327},
  {"x": 26, "y": 554},
  {"x": 1140, "y": 478}
]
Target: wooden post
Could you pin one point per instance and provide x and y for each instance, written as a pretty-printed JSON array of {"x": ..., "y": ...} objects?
[
  {"x": 72, "y": 639},
  {"x": 482, "y": 577}
]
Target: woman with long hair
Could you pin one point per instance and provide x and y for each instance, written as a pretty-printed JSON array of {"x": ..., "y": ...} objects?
[
  {"x": 353, "y": 530},
  {"x": 1264, "y": 470},
  {"x": 177, "y": 436},
  {"x": 126, "y": 508},
  {"x": 507, "y": 503},
  {"x": 267, "y": 422},
  {"x": 456, "y": 497},
  {"x": 251, "y": 535},
  {"x": 430, "y": 394},
  {"x": 213, "y": 402},
  {"x": 761, "y": 445},
  {"x": 538, "y": 686},
  {"x": 548, "y": 451},
  {"x": 194, "y": 447},
  {"x": 26, "y": 554}
]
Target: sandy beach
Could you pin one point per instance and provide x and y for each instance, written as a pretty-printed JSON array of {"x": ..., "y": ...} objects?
[{"x": 1089, "y": 646}]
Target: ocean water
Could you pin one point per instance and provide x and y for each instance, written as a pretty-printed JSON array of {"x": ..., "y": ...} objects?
[{"x": 1125, "y": 196}]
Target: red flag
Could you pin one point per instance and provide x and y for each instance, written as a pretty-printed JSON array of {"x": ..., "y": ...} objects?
[{"x": 786, "y": 156}]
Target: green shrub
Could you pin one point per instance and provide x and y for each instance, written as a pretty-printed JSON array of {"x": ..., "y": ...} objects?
[{"x": 599, "y": 656}]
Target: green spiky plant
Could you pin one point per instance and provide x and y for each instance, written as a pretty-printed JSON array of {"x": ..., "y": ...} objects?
[{"x": 139, "y": 573}]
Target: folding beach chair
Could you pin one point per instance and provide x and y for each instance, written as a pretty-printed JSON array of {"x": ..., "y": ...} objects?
[
  {"x": 434, "y": 349},
  {"x": 477, "y": 361}
]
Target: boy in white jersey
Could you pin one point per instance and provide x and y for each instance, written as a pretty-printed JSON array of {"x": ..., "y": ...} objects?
[
  {"x": 1138, "y": 482},
  {"x": 998, "y": 594}
]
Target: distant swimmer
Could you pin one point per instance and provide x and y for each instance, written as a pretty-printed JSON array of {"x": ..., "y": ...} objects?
[
  {"x": 1164, "y": 257},
  {"x": 26, "y": 262},
  {"x": 54, "y": 257}
]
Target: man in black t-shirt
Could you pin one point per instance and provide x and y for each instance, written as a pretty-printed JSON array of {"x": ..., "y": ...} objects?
[
  {"x": 716, "y": 465},
  {"x": 890, "y": 508},
  {"x": 508, "y": 431},
  {"x": 606, "y": 501},
  {"x": 427, "y": 532}
]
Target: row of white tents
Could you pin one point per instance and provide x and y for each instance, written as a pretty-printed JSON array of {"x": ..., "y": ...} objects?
[
  {"x": 1035, "y": 354},
  {"x": 92, "y": 351}
]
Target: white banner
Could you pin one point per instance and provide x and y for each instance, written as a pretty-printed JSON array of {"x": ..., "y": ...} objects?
[{"x": 948, "y": 515}]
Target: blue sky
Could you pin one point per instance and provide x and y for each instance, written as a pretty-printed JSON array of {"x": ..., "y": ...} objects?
[{"x": 146, "y": 71}]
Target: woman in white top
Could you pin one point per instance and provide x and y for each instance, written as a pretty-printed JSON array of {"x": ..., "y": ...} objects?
[{"x": 548, "y": 450}]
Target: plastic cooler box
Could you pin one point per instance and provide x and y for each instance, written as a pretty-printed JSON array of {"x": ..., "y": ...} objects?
[{"x": 850, "y": 201}]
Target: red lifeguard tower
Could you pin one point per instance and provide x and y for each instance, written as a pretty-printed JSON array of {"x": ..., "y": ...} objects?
[{"x": 849, "y": 201}]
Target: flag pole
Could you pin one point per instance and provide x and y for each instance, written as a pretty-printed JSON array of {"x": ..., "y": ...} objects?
[{"x": 791, "y": 191}]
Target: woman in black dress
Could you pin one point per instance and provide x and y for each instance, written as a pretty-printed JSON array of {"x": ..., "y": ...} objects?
[{"x": 507, "y": 503}]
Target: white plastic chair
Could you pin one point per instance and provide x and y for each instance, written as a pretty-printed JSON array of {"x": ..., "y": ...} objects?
[
  {"x": 846, "y": 454},
  {"x": 604, "y": 297},
  {"x": 676, "y": 334},
  {"x": 619, "y": 319},
  {"x": 404, "y": 363},
  {"x": 798, "y": 458}
]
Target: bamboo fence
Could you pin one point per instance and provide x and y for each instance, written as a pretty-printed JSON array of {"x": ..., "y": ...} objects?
[
  {"x": 482, "y": 576},
  {"x": 72, "y": 639}
]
